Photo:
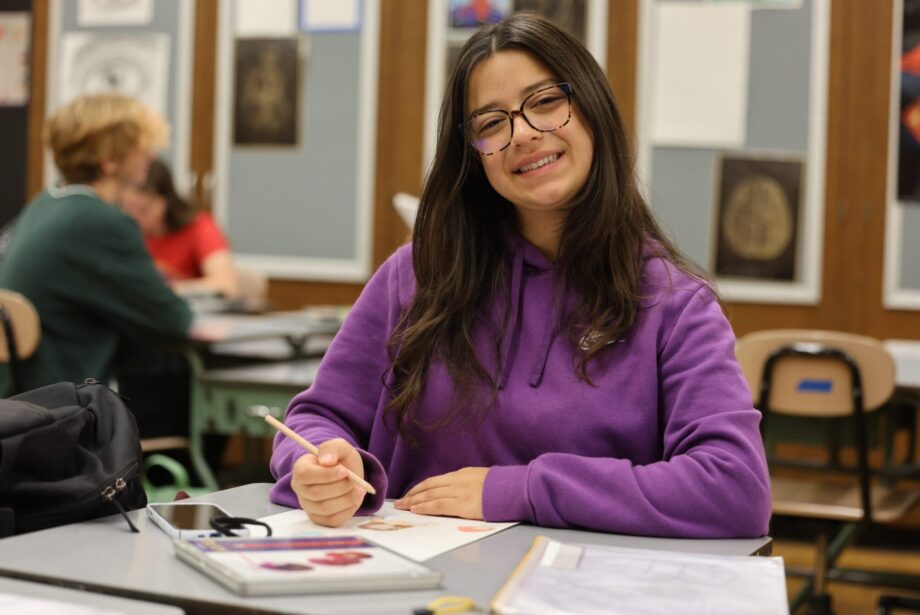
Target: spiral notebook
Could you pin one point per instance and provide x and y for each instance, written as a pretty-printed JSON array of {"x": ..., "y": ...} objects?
[{"x": 308, "y": 565}]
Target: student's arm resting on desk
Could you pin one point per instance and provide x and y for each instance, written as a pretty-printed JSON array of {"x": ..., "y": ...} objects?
[{"x": 712, "y": 481}]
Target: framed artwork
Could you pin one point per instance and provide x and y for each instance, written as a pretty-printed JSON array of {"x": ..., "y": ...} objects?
[
  {"x": 757, "y": 217},
  {"x": 265, "y": 93},
  {"x": 570, "y": 14},
  {"x": 908, "y": 181},
  {"x": 902, "y": 215},
  {"x": 134, "y": 65},
  {"x": 474, "y": 13}
]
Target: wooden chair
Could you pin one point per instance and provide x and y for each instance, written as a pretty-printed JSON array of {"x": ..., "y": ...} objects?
[
  {"x": 20, "y": 329},
  {"x": 827, "y": 375}
]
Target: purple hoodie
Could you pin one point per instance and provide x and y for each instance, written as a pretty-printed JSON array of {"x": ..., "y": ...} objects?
[{"x": 665, "y": 442}]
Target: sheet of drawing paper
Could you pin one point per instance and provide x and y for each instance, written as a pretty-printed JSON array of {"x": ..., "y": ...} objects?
[
  {"x": 419, "y": 537},
  {"x": 613, "y": 580},
  {"x": 700, "y": 57}
]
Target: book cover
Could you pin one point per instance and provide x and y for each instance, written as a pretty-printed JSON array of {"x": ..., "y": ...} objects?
[{"x": 312, "y": 564}]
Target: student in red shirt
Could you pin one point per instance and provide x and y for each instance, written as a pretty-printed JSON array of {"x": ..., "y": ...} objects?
[{"x": 184, "y": 241}]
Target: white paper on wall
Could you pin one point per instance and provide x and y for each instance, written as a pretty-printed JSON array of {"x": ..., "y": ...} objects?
[
  {"x": 114, "y": 12},
  {"x": 15, "y": 34},
  {"x": 135, "y": 65},
  {"x": 700, "y": 62},
  {"x": 330, "y": 15},
  {"x": 261, "y": 18}
]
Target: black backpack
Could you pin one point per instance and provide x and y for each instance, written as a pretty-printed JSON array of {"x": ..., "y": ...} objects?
[{"x": 68, "y": 452}]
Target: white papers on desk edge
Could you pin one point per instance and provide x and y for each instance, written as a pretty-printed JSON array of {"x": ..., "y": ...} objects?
[
  {"x": 556, "y": 578},
  {"x": 418, "y": 537},
  {"x": 23, "y": 605}
]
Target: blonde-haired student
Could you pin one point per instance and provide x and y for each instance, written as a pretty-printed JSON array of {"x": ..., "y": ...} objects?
[
  {"x": 79, "y": 258},
  {"x": 540, "y": 352}
]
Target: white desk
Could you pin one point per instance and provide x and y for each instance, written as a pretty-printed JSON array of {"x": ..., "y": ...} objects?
[
  {"x": 906, "y": 355},
  {"x": 102, "y": 555},
  {"x": 110, "y": 604}
]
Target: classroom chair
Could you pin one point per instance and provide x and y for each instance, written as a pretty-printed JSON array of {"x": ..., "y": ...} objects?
[
  {"x": 827, "y": 375},
  {"x": 20, "y": 328}
]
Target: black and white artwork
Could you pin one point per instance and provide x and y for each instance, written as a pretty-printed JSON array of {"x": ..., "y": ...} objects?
[{"x": 134, "y": 65}]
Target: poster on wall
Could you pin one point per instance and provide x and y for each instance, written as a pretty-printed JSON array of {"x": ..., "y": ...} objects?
[
  {"x": 757, "y": 226},
  {"x": 570, "y": 14},
  {"x": 266, "y": 94},
  {"x": 135, "y": 65},
  {"x": 474, "y": 13},
  {"x": 909, "y": 106},
  {"x": 15, "y": 35},
  {"x": 114, "y": 12}
]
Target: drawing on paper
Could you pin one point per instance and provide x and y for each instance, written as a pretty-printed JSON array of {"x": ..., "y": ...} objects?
[
  {"x": 265, "y": 103},
  {"x": 758, "y": 213},
  {"x": 134, "y": 65}
]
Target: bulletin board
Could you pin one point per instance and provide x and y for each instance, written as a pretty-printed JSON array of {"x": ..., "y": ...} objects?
[
  {"x": 732, "y": 100},
  {"x": 902, "y": 219},
  {"x": 142, "y": 48},
  {"x": 295, "y": 130}
]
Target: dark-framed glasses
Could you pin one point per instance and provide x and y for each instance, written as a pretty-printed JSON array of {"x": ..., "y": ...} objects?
[{"x": 545, "y": 110}]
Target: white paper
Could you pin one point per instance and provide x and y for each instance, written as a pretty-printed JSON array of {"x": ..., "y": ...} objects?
[
  {"x": 15, "y": 35},
  {"x": 614, "y": 580},
  {"x": 266, "y": 18},
  {"x": 418, "y": 537},
  {"x": 134, "y": 65},
  {"x": 114, "y": 12},
  {"x": 14, "y": 604},
  {"x": 330, "y": 15},
  {"x": 700, "y": 75}
]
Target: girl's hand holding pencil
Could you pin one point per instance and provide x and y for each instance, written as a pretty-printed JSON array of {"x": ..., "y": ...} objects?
[{"x": 328, "y": 479}]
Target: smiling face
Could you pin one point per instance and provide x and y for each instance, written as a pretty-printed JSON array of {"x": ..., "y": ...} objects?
[{"x": 539, "y": 172}]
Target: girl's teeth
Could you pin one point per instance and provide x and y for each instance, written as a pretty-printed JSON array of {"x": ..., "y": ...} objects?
[{"x": 539, "y": 163}]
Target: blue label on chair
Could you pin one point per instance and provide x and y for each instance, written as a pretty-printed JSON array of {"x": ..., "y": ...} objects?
[{"x": 814, "y": 386}]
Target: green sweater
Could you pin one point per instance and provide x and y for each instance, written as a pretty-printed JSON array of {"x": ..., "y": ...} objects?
[{"x": 84, "y": 265}]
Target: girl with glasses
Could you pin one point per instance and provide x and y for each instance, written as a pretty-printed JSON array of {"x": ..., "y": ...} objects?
[{"x": 540, "y": 352}]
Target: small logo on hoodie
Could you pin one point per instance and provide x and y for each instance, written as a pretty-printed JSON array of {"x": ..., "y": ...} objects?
[{"x": 588, "y": 338}]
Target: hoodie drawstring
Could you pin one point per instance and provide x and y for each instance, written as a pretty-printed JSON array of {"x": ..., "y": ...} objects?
[{"x": 517, "y": 273}]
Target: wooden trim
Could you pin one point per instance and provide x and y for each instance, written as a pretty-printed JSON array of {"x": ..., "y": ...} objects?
[
  {"x": 39, "y": 63},
  {"x": 204, "y": 78}
]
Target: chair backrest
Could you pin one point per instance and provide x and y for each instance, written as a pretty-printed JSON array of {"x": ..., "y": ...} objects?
[
  {"x": 25, "y": 326},
  {"x": 20, "y": 332},
  {"x": 816, "y": 385}
]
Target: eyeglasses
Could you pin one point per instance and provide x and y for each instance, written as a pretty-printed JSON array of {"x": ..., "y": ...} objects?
[{"x": 545, "y": 110}]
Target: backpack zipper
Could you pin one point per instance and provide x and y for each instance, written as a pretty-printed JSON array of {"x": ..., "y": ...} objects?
[{"x": 108, "y": 493}]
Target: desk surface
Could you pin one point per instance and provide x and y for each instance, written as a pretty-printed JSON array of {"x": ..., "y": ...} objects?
[
  {"x": 906, "y": 355},
  {"x": 102, "y": 555},
  {"x": 81, "y": 599},
  {"x": 294, "y": 326}
]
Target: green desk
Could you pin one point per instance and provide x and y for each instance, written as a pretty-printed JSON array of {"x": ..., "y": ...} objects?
[{"x": 236, "y": 400}]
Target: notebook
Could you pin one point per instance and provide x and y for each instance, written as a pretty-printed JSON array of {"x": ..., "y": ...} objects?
[
  {"x": 556, "y": 578},
  {"x": 313, "y": 564}
]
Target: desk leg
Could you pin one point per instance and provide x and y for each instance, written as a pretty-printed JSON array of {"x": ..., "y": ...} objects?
[{"x": 198, "y": 424}]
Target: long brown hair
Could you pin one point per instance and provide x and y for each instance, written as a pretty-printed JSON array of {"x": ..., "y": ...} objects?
[
  {"x": 458, "y": 238},
  {"x": 179, "y": 211}
]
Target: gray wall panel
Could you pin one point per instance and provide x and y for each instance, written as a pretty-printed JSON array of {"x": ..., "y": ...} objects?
[
  {"x": 778, "y": 90},
  {"x": 910, "y": 248},
  {"x": 682, "y": 197},
  {"x": 310, "y": 189}
]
